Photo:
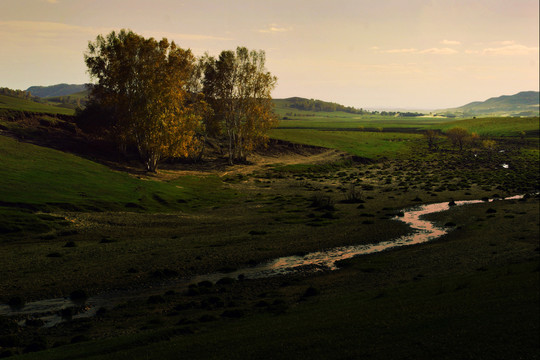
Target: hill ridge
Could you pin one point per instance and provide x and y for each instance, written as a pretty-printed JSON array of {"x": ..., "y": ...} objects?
[
  {"x": 62, "y": 89},
  {"x": 523, "y": 103}
]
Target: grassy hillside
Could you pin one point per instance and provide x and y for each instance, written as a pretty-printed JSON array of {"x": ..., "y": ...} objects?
[
  {"x": 56, "y": 90},
  {"x": 14, "y": 103},
  {"x": 525, "y": 103},
  {"x": 42, "y": 179}
]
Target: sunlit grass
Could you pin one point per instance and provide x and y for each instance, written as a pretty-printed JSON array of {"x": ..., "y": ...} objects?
[{"x": 366, "y": 144}]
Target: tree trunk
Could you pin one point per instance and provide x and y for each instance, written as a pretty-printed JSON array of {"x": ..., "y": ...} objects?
[{"x": 151, "y": 162}]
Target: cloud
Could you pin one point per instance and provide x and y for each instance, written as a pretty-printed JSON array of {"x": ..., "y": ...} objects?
[
  {"x": 450, "y": 42},
  {"x": 397, "y": 51},
  {"x": 439, "y": 51},
  {"x": 177, "y": 36},
  {"x": 35, "y": 30},
  {"x": 436, "y": 51},
  {"x": 274, "y": 28},
  {"x": 510, "y": 49}
]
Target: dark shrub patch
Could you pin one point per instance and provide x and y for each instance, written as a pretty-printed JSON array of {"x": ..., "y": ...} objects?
[
  {"x": 225, "y": 281},
  {"x": 262, "y": 303},
  {"x": 207, "y": 318},
  {"x": 164, "y": 273},
  {"x": 16, "y": 302},
  {"x": 70, "y": 244},
  {"x": 79, "y": 338},
  {"x": 311, "y": 291},
  {"x": 155, "y": 299},
  {"x": 205, "y": 283},
  {"x": 256, "y": 232},
  {"x": 101, "y": 311},
  {"x": 66, "y": 313},
  {"x": 450, "y": 224},
  {"x": 34, "y": 322},
  {"x": 491, "y": 211},
  {"x": 226, "y": 269},
  {"x": 78, "y": 295},
  {"x": 37, "y": 345},
  {"x": 9, "y": 341},
  {"x": 132, "y": 205},
  {"x": 234, "y": 313},
  {"x": 6, "y": 353},
  {"x": 322, "y": 202},
  {"x": 54, "y": 255},
  {"x": 107, "y": 240},
  {"x": 344, "y": 263}
]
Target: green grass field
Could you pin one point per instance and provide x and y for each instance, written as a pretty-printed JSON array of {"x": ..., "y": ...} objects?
[
  {"x": 13, "y": 103},
  {"x": 496, "y": 126},
  {"x": 366, "y": 144}
]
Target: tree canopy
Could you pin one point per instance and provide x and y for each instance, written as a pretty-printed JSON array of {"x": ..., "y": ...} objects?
[
  {"x": 160, "y": 98},
  {"x": 238, "y": 86},
  {"x": 144, "y": 85}
]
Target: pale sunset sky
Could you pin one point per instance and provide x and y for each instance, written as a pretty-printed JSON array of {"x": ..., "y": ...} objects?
[{"x": 409, "y": 54}]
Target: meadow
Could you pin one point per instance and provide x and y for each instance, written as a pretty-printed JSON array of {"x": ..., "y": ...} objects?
[
  {"x": 17, "y": 104},
  {"x": 79, "y": 221}
]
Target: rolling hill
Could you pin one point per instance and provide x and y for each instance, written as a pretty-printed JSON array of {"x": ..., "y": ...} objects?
[
  {"x": 56, "y": 90},
  {"x": 525, "y": 103},
  {"x": 19, "y": 104}
]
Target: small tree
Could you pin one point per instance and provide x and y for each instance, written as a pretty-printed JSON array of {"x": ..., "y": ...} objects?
[
  {"x": 238, "y": 87},
  {"x": 474, "y": 138},
  {"x": 457, "y": 136},
  {"x": 432, "y": 138}
]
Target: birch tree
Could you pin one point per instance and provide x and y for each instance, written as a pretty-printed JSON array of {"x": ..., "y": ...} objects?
[
  {"x": 239, "y": 87},
  {"x": 145, "y": 83}
]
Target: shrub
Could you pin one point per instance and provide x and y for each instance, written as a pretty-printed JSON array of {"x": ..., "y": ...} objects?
[
  {"x": 78, "y": 295},
  {"x": 234, "y": 313},
  {"x": 322, "y": 202},
  {"x": 155, "y": 299},
  {"x": 311, "y": 291}
]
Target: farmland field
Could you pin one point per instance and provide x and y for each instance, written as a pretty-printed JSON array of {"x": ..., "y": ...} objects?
[{"x": 80, "y": 221}]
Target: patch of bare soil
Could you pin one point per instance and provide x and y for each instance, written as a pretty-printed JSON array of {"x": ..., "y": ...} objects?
[{"x": 277, "y": 153}]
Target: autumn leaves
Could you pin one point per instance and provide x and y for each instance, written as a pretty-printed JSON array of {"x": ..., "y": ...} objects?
[{"x": 161, "y": 99}]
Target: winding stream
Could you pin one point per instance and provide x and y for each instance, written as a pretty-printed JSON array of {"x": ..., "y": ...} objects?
[{"x": 423, "y": 230}]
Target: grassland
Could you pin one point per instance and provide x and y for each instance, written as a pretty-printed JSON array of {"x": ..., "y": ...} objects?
[
  {"x": 18, "y": 104},
  {"x": 70, "y": 223}
]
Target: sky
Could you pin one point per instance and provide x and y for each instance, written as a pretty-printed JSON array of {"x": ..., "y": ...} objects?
[{"x": 371, "y": 54}]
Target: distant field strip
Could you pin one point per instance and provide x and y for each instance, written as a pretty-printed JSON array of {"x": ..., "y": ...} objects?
[
  {"x": 366, "y": 144},
  {"x": 496, "y": 126}
]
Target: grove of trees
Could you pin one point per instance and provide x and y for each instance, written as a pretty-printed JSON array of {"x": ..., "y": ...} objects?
[{"x": 161, "y": 99}]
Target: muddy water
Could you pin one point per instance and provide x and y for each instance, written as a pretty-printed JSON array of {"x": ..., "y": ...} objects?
[{"x": 423, "y": 231}]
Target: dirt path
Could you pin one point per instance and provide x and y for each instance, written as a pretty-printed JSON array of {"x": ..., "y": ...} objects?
[{"x": 276, "y": 155}]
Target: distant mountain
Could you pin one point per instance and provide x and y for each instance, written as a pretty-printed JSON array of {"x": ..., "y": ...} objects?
[
  {"x": 56, "y": 90},
  {"x": 525, "y": 103}
]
